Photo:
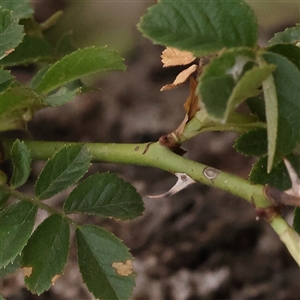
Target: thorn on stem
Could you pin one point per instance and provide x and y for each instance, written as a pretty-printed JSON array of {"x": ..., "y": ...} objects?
[{"x": 183, "y": 181}]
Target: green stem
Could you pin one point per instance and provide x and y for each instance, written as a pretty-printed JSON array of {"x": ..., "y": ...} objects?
[
  {"x": 158, "y": 156},
  {"x": 288, "y": 236},
  {"x": 201, "y": 123}
]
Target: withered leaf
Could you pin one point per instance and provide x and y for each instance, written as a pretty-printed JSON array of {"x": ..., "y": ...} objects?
[
  {"x": 181, "y": 78},
  {"x": 191, "y": 104},
  {"x": 174, "y": 57}
]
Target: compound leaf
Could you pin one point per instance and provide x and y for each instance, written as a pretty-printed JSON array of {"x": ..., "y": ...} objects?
[
  {"x": 21, "y": 160},
  {"x": 78, "y": 64},
  {"x": 46, "y": 253},
  {"x": 105, "y": 263},
  {"x": 62, "y": 170},
  {"x": 200, "y": 26},
  {"x": 16, "y": 224},
  {"x": 105, "y": 195}
]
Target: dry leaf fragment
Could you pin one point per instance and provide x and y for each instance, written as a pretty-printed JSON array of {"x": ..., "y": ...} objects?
[
  {"x": 181, "y": 78},
  {"x": 191, "y": 105},
  {"x": 9, "y": 51},
  {"x": 54, "y": 278},
  {"x": 174, "y": 57},
  {"x": 27, "y": 271},
  {"x": 183, "y": 181},
  {"x": 123, "y": 269}
]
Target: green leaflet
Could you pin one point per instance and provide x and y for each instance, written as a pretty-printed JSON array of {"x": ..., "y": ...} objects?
[
  {"x": 200, "y": 26},
  {"x": 257, "y": 107},
  {"x": 18, "y": 105},
  {"x": 271, "y": 106},
  {"x": 46, "y": 253},
  {"x": 32, "y": 49},
  {"x": 286, "y": 79},
  {"x": 21, "y": 160},
  {"x": 16, "y": 224},
  {"x": 20, "y": 9},
  {"x": 105, "y": 195},
  {"x": 11, "y": 267},
  {"x": 291, "y": 52},
  {"x": 78, "y": 64},
  {"x": 38, "y": 77},
  {"x": 288, "y": 36},
  {"x": 65, "y": 45},
  {"x": 253, "y": 143},
  {"x": 5, "y": 80},
  {"x": 248, "y": 86},
  {"x": 11, "y": 33},
  {"x": 62, "y": 96},
  {"x": 278, "y": 177},
  {"x": 62, "y": 170},
  {"x": 99, "y": 255},
  {"x": 4, "y": 196}
]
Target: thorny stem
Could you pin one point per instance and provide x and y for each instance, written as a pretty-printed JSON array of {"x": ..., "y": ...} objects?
[{"x": 156, "y": 155}]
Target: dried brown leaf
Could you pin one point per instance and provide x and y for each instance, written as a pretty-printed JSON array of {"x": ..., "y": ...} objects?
[
  {"x": 181, "y": 78},
  {"x": 191, "y": 104},
  {"x": 174, "y": 57}
]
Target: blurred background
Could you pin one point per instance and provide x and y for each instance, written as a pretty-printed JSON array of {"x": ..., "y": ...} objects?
[{"x": 200, "y": 244}]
